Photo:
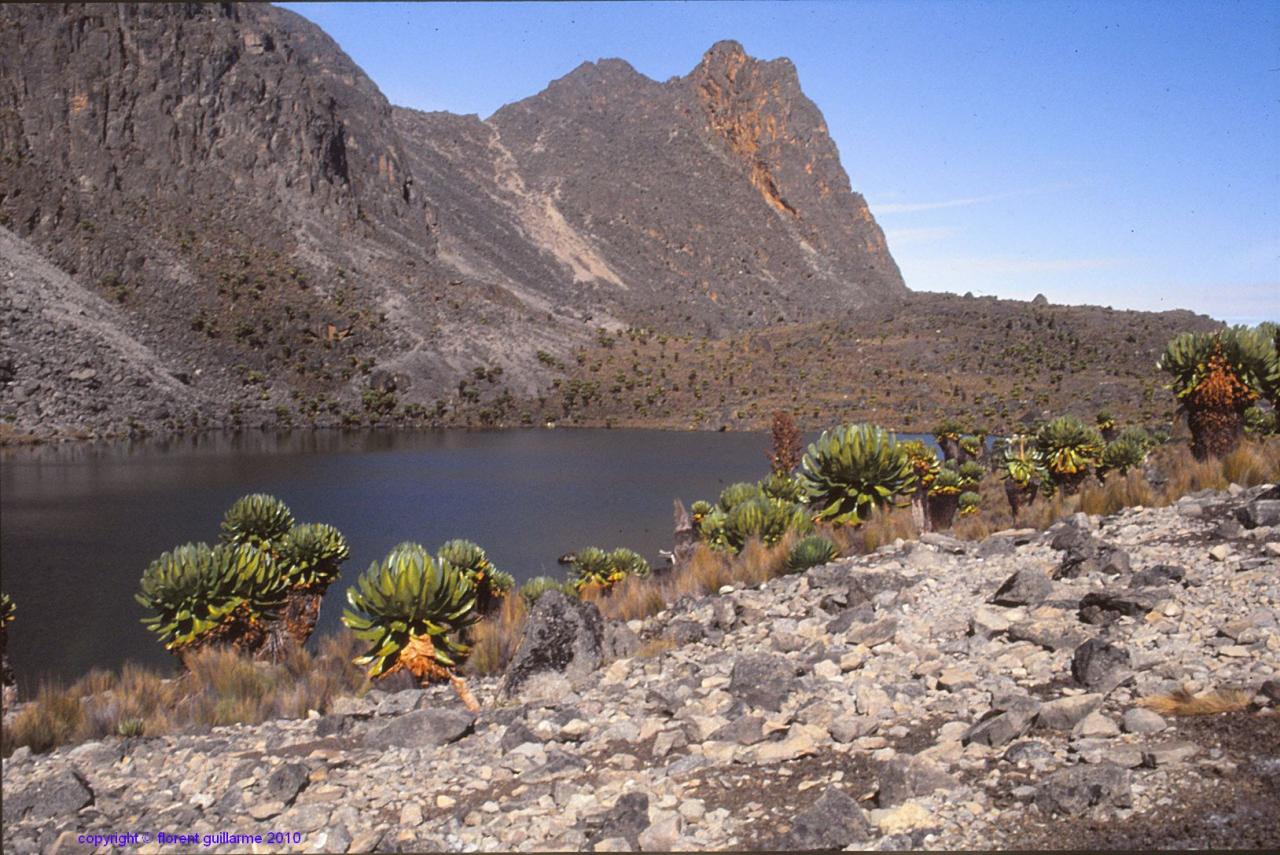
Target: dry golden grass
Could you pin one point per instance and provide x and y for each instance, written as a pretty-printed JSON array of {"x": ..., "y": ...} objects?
[
  {"x": 1119, "y": 491},
  {"x": 220, "y": 688},
  {"x": 1206, "y": 703},
  {"x": 884, "y": 527},
  {"x": 494, "y": 639},
  {"x": 655, "y": 647}
]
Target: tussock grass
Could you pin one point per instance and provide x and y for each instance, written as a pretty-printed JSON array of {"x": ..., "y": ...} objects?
[
  {"x": 1183, "y": 703},
  {"x": 219, "y": 688},
  {"x": 494, "y": 639}
]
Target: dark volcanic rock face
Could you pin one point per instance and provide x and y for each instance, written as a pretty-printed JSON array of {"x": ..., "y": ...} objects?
[{"x": 717, "y": 198}]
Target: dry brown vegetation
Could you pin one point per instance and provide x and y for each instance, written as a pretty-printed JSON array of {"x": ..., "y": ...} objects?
[
  {"x": 1183, "y": 702},
  {"x": 220, "y": 688}
]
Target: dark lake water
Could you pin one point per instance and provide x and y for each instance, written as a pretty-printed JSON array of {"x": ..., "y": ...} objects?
[{"x": 79, "y": 524}]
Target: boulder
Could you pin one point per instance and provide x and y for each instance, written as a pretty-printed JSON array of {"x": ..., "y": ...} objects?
[
  {"x": 903, "y": 778},
  {"x": 62, "y": 794},
  {"x": 286, "y": 782},
  {"x": 620, "y": 642},
  {"x": 1065, "y": 713},
  {"x": 1159, "y": 574},
  {"x": 421, "y": 729},
  {"x": 1103, "y": 607},
  {"x": 1028, "y": 586},
  {"x": 1143, "y": 721},
  {"x": 762, "y": 680},
  {"x": 1005, "y": 723},
  {"x": 1259, "y": 512},
  {"x": 1100, "y": 666},
  {"x": 560, "y": 635},
  {"x": 832, "y": 822},
  {"x": 626, "y": 819},
  {"x": 1074, "y": 790}
]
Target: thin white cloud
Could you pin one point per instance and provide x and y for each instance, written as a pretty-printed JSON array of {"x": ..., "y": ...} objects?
[
  {"x": 911, "y": 237},
  {"x": 964, "y": 202}
]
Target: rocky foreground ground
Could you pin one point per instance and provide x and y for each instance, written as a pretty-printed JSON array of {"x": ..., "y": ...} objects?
[{"x": 934, "y": 694}]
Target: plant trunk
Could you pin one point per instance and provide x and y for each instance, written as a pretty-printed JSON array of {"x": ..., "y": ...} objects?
[
  {"x": 460, "y": 686},
  {"x": 1214, "y": 432},
  {"x": 1020, "y": 496},
  {"x": 920, "y": 515},
  {"x": 240, "y": 633},
  {"x": 950, "y": 448},
  {"x": 942, "y": 509}
]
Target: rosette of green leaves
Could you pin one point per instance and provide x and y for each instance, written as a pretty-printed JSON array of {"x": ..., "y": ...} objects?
[
  {"x": 7, "y": 608},
  {"x": 811, "y": 551},
  {"x": 712, "y": 529},
  {"x": 1248, "y": 353},
  {"x": 195, "y": 589},
  {"x": 969, "y": 502},
  {"x": 539, "y": 585},
  {"x": 782, "y": 488},
  {"x": 924, "y": 462},
  {"x": 736, "y": 494},
  {"x": 853, "y": 469},
  {"x": 409, "y": 593},
  {"x": 948, "y": 428},
  {"x": 311, "y": 555},
  {"x": 766, "y": 519},
  {"x": 971, "y": 472},
  {"x": 948, "y": 482},
  {"x": 1069, "y": 448},
  {"x": 699, "y": 510},
  {"x": 591, "y": 566},
  {"x": 1122, "y": 455},
  {"x": 1023, "y": 462},
  {"x": 257, "y": 519}
]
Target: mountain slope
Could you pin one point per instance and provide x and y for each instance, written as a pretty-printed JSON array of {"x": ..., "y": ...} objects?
[{"x": 716, "y": 199}]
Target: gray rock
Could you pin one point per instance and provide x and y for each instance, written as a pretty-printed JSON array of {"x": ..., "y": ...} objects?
[
  {"x": 337, "y": 839},
  {"x": 871, "y": 634},
  {"x": 1103, "y": 607},
  {"x": 860, "y": 614},
  {"x": 561, "y": 636},
  {"x": 1114, "y": 561},
  {"x": 1139, "y": 720},
  {"x": 626, "y": 819},
  {"x": 685, "y": 631},
  {"x": 619, "y": 641},
  {"x": 286, "y": 782},
  {"x": 944, "y": 542},
  {"x": 63, "y": 793},
  {"x": 834, "y": 821},
  {"x": 1096, "y": 725},
  {"x": 333, "y": 725},
  {"x": 1065, "y": 713},
  {"x": 1028, "y": 586},
  {"x": 1031, "y": 752},
  {"x": 849, "y": 728},
  {"x": 723, "y": 614},
  {"x": 744, "y": 730},
  {"x": 421, "y": 729},
  {"x": 398, "y": 703},
  {"x": 1074, "y": 790},
  {"x": 1003, "y": 726},
  {"x": 1100, "y": 666},
  {"x": 1049, "y": 634},
  {"x": 1270, "y": 690},
  {"x": 1168, "y": 754},
  {"x": 1160, "y": 574},
  {"x": 906, "y": 777},
  {"x": 517, "y": 733},
  {"x": 1260, "y": 512},
  {"x": 762, "y": 680}
]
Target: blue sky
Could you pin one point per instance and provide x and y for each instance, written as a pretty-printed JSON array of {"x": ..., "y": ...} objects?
[{"x": 1118, "y": 153}]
